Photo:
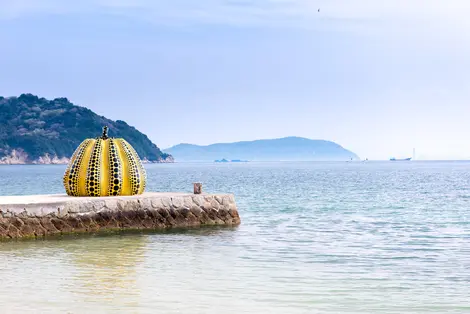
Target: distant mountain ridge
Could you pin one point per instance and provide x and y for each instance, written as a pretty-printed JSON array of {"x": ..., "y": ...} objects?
[
  {"x": 287, "y": 148},
  {"x": 41, "y": 131}
]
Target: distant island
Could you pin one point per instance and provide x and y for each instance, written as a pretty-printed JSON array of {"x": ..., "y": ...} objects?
[
  {"x": 233, "y": 160},
  {"x": 283, "y": 149},
  {"x": 35, "y": 130}
]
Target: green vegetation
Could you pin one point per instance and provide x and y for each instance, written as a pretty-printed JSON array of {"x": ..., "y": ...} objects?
[{"x": 38, "y": 126}]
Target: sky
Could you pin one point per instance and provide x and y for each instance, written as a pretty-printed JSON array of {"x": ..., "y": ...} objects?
[{"x": 378, "y": 77}]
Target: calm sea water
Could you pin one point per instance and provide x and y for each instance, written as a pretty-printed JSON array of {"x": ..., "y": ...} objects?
[{"x": 315, "y": 238}]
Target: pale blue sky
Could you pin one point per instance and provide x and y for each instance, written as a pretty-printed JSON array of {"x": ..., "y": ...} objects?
[{"x": 378, "y": 77}]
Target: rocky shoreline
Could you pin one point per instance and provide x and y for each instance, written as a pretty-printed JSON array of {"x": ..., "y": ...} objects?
[
  {"x": 37, "y": 216},
  {"x": 18, "y": 157}
]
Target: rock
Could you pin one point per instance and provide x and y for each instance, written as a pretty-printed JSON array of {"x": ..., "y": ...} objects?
[
  {"x": 166, "y": 202},
  {"x": 188, "y": 202},
  {"x": 226, "y": 200},
  {"x": 183, "y": 211},
  {"x": 145, "y": 203},
  {"x": 198, "y": 200},
  {"x": 156, "y": 202},
  {"x": 214, "y": 204},
  {"x": 196, "y": 210},
  {"x": 177, "y": 202},
  {"x": 219, "y": 199},
  {"x": 62, "y": 212}
]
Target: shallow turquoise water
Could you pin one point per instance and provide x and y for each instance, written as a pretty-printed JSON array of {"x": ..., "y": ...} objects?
[{"x": 315, "y": 238}]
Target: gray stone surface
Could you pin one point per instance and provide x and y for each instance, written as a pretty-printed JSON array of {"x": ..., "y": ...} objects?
[{"x": 43, "y": 215}]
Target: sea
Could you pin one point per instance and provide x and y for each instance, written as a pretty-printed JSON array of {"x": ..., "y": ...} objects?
[{"x": 315, "y": 237}]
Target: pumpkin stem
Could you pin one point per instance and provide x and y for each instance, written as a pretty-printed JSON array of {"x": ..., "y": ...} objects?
[{"x": 105, "y": 133}]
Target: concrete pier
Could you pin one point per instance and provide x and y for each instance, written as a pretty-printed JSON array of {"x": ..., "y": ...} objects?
[{"x": 46, "y": 215}]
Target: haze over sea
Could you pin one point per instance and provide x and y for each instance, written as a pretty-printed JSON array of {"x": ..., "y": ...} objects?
[{"x": 375, "y": 237}]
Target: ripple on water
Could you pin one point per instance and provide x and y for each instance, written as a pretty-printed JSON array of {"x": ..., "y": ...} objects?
[{"x": 314, "y": 238}]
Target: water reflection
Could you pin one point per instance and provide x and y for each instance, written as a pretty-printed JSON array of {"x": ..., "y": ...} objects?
[
  {"x": 112, "y": 273},
  {"x": 107, "y": 269}
]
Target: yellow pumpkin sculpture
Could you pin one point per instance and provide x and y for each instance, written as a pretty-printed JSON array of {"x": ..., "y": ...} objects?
[{"x": 105, "y": 167}]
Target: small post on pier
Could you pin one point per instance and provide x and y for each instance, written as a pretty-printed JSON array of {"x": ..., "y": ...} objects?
[{"x": 197, "y": 188}]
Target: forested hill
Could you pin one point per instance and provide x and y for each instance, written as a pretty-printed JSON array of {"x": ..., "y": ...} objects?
[{"x": 37, "y": 130}]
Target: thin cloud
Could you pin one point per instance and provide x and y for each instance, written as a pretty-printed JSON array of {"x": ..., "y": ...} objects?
[
  {"x": 283, "y": 13},
  {"x": 330, "y": 8}
]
